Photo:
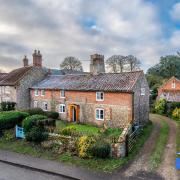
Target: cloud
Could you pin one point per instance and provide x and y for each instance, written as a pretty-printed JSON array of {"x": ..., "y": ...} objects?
[
  {"x": 79, "y": 28},
  {"x": 175, "y": 12}
]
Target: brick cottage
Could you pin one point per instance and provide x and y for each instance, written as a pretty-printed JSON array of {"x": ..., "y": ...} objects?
[
  {"x": 170, "y": 90},
  {"x": 112, "y": 99}
]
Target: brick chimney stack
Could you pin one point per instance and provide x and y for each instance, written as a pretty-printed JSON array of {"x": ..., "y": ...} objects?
[
  {"x": 25, "y": 61},
  {"x": 97, "y": 64},
  {"x": 37, "y": 58}
]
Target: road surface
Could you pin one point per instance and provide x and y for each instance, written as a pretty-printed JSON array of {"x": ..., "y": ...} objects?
[{"x": 9, "y": 172}]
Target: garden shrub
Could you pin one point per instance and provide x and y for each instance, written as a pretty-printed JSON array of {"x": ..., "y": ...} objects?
[
  {"x": 68, "y": 131},
  {"x": 34, "y": 111},
  {"x": 36, "y": 134},
  {"x": 51, "y": 114},
  {"x": 9, "y": 135},
  {"x": 160, "y": 106},
  {"x": 8, "y": 106},
  {"x": 84, "y": 145},
  {"x": 30, "y": 121},
  {"x": 171, "y": 106},
  {"x": 101, "y": 150},
  {"x": 10, "y": 119},
  {"x": 176, "y": 114}
]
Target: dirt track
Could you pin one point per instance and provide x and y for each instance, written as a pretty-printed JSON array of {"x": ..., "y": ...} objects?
[{"x": 140, "y": 167}]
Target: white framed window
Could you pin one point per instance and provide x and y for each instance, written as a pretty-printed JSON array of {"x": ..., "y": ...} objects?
[
  {"x": 173, "y": 85},
  {"x": 35, "y": 104},
  {"x": 42, "y": 92},
  {"x": 62, "y": 108},
  {"x": 143, "y": 91},
  {"x": 62, "y": 94},
  {"x": 99, "y": 96},
  {"x": 100, "y": 114},
  {"x": 45, "y": 106},
  {"x": 36, "y": 92}
]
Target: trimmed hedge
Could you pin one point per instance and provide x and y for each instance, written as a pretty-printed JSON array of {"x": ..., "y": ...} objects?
[
  {"x": 36, "y": 134},
  {"x": 10, "y": 119},
  {"x": 7, "y": 106},
  {"x": 30, "y": 121},
  {"x": 51, "y": 114},
  {"x": 39, "y": 111},
  {"x": 34, "y": 111}
]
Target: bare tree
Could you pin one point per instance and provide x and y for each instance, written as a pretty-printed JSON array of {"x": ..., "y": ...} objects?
[
  {"x": 116, "y": 63},
  {"x": 133, "y": 63},
  {"x": 71, "y": 63}
]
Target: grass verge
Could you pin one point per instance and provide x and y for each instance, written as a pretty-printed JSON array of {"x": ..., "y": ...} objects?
[
  {"x": 157, "y": 154},
  {"x": 103, "y": 165}
]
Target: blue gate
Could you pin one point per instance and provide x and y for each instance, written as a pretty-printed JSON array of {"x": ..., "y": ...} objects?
[{"x": 19, "y": 132}]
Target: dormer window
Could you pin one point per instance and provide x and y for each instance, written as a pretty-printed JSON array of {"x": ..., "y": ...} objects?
[
  {"x": 173, "y": 85},
  {"x": 62, "y": 94},
  {"x": 99, "y": 96}
]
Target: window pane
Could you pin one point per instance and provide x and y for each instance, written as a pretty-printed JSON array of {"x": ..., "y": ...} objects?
[
  {"x": 97, "y": 114},
  {"x": 101, "y": 114}
]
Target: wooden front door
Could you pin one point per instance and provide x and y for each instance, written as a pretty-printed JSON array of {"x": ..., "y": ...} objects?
[{"x": 74, "y": 113}]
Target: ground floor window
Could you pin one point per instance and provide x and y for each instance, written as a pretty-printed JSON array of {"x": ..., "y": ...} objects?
[
  {"x": 35, "y": 104},
  {"x": 62, "y": 108},
  {"x": 100, "y": 114},
  {"x": 45, "y": 106}
]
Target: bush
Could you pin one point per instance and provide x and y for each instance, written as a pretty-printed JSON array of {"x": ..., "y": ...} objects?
[
  {"x": 34, "y": 111},
  {"x": 36, "y": 134},
  {"x": 8, "y": 106},
  {"x": 10, "y": 119},
  {"x": 160, "y": 106},
  {"x": 84, "y": 145},
  {"x": 30, "y": 121},
  {"x": 68, "y": 131},
  {"x": 176, "y": 114},
  {"x": 171, "y": 106},
  {"x": 101, "y": 150},
  {"x": 51, "y": 114}
]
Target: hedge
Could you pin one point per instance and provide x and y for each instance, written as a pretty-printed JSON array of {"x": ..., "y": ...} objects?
[
  {"x": 30, "y": 121},
  {"x": 101, "y": 150},
  {"x": 8, "y": 106},
  {"x": 39, "y": 111},
  {"x": 10, "y": 119},
  {"x": 52, "y": 114},
  {"x": 34, "y": 111}
]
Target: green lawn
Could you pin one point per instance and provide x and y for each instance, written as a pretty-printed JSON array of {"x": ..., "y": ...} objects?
[
  {"x": 105, "y": 165},
  {"x": 156, "y": 156},
  {"x": 87, "y": 129}
]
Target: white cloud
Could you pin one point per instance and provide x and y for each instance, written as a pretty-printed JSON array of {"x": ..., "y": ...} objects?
[
  {"x": 57, "y": 29},
  {"x": 175, "y": 12}
]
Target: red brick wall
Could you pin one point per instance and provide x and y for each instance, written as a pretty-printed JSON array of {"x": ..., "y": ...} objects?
[{"x": 111, "y": 100}]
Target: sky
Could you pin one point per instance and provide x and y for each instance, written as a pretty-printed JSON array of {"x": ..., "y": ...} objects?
[{"x": 147, "y": 29}]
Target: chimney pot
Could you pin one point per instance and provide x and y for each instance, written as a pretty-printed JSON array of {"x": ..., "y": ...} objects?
[
  {"x": 25, "y": 61},
  {"x": 37, "y": 59}
]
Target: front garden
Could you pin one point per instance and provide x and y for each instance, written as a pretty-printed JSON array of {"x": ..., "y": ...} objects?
[{"x": 79, "y": 144}]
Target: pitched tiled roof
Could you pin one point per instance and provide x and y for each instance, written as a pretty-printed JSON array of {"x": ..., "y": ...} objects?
[
  {"x": 14, "y": 76},
  {"x": 88, "y": 82},
  {"x": 2, "y": 76}
]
